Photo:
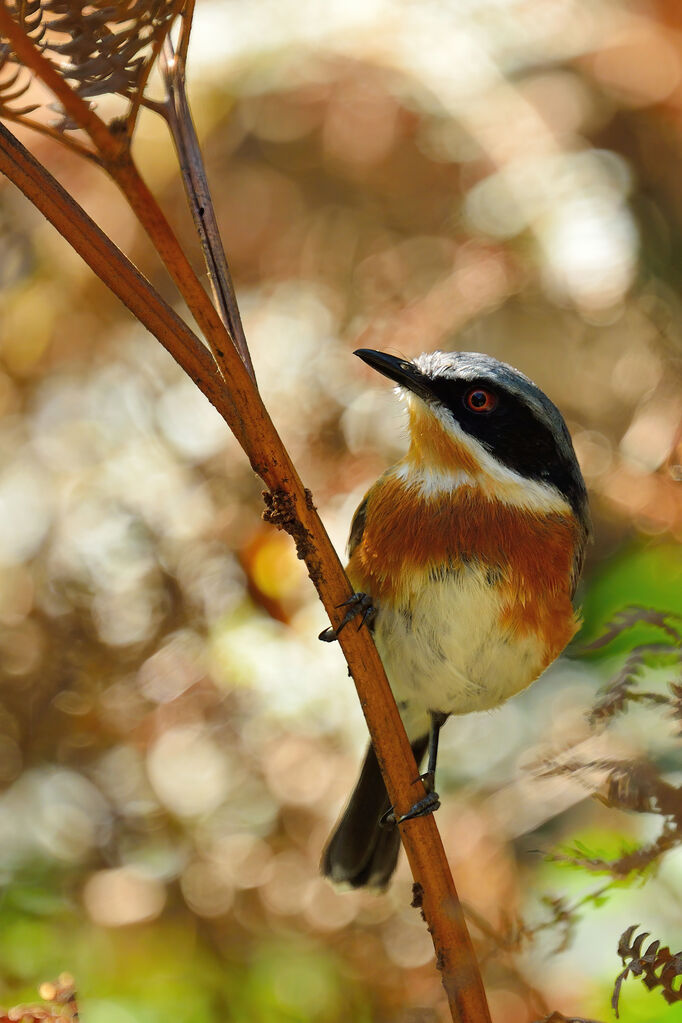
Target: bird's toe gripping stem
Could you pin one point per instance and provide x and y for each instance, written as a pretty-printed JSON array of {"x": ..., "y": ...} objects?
[
  {"x": 357, "y": 604},
  {"x": 422, "y": 808},
  {"x": 430, "y": 802}
]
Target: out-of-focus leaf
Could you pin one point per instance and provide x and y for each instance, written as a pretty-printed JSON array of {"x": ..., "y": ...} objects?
[{"x": 650, "y": 576}]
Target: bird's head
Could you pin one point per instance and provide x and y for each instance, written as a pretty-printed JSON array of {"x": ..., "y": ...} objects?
[{"x": 473, "y": 415}]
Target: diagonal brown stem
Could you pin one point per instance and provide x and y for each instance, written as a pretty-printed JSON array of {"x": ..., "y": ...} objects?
[
  {"x": 157, "y": 45},
  {"x": 118, "y": 273},
  {"x": 187, "y": 16},
  {"x": 194, "y": 178}
]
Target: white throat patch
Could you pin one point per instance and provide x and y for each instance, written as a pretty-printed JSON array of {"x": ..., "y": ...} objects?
[{"x": 492, "y": 478}]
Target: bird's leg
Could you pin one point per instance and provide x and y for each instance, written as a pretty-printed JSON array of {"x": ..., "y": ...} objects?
[
  {"x": 357, "y": 604},
  {"x": 429, "y": 777},
  {"x": 430, "y": 801}
]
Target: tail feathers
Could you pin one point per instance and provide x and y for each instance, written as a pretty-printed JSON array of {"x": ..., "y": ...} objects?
[{"x": 359, "y": 851}]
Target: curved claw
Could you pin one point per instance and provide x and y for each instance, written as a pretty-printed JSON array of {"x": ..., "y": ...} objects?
[
  {"x": 357, "y": 604},
  {"x": 422, "y": 808}
]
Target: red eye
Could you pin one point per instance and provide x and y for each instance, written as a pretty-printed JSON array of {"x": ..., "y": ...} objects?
[{"x": 480, "y": 400}]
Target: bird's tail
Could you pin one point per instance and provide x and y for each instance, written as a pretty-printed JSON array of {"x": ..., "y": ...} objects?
[{"x": 359, "y": 851}]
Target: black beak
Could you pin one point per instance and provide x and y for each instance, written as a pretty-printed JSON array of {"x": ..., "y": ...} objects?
[{"x": 399, "y": 370}]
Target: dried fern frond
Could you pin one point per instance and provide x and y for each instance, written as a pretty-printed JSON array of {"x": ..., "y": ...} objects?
[
  {"x": 15, "y": 80},
  {"x": 634, "y": 786},
  {"x": 106, "y": 47},
  {"x": 637, "y": 614},
  {"x": 657, "y": 966},
  {"x": 622, "y": 689}
]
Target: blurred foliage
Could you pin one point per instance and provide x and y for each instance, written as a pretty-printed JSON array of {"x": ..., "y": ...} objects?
[
  {"x": 648, "y": 574},
  {"x": 174, "y": 742}
]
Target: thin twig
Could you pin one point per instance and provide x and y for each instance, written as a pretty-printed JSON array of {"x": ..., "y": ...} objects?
[
  {"x": 141, "y": 84},
  {"x": 179, "y": 118},
  {"x": 153, "y": 104},
  {"x": 57, "y": 136},
  {"x": 187, "y": 16}
]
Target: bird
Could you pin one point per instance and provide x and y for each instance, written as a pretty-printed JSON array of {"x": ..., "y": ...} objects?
[{"x": 464, "y": 558}]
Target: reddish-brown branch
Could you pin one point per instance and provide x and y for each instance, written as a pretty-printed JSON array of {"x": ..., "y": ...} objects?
[
  {"x": 152, "y": 218},
  {"x": 179, "y": 117},
  {"x": 117, "y": 272}
]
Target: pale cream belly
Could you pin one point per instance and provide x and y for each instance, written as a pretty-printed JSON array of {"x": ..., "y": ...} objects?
[{"x": 446, "y": 651}]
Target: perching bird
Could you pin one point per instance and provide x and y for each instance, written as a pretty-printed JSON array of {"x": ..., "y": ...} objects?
[{"x": 464, "y": 557}]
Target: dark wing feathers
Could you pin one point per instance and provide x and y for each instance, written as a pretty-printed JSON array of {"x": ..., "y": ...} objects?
[{"x": 357, "y": 527}]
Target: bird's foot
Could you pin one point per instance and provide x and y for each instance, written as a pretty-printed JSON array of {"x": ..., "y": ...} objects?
[
  {"x": 358, "y": 604},
  {"x": 422, "y": 808}
]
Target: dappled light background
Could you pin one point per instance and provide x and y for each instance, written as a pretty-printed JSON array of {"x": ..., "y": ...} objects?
[{"x": 174, "y": 742}]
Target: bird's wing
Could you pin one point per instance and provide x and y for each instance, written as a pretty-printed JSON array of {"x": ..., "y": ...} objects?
[
  {"x": 579, "y": 555},
  {"x": 357, "y": 527}
]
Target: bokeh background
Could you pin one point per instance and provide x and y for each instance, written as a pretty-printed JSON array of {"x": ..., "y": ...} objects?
[{"x": 492, "y": 175}]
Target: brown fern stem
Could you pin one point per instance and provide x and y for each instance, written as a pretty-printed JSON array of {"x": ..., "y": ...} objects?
[
  {"x": 187, "y": 16},
  {"x": 43, "y": 129},
  {"x": 179, "y": 117},
  {"x": 117, "y": 272},
  {"x": 151, "y": 216},
  {"x": 182, "y": 8}
]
